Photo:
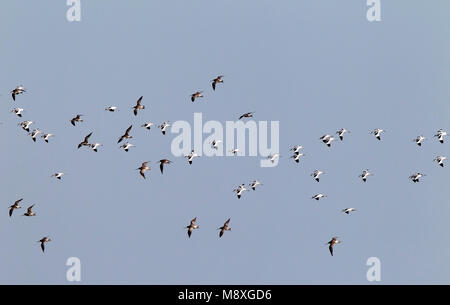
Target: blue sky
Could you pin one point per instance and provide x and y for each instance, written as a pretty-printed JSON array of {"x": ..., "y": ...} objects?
[{"x": 314, "y": 66}]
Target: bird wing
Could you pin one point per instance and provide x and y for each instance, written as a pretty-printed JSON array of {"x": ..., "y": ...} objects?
[
  {"x": 11, "y": 211},
  {"x": 29, "y": 209},
  {"x": 214, "y": 84},
  {"x": 87, "y": 137},
  {"x": 42, "y": 246},
  {"x": 17, "y": 201},
  {"x": 138, "y": 103},
  {"x": 128, "y": 129},
  {"x": 331, "y": 248},
  {"x": 161, "y": 166},
  {"x": 193, "y": 221}
]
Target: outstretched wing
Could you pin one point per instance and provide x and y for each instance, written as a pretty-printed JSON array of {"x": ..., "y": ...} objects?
[
  {"x": 87, "y": 137},
  {"x": 138, "y": 103},
  {"x": 128, "y": 129}
]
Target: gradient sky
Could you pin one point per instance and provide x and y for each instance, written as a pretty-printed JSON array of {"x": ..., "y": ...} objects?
[{"x": 314, "y": 66}]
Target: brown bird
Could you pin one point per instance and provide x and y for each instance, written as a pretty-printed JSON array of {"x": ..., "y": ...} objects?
[
  {"x": 138, "y": 106},
  {"x": 14, "y": 206},
  {"x": 224, "y": 228},
  {"x": 192, "y": 226},
  {"x": 246, "y": 115},
  {"x": 218, "y": 79},
  {"x": 76, "y": 119},
  {"x": 162, "y": 162},
  {"x": 143, "y": 168},
  {"x": 196, "y": 95},
  {"x": 126, "y": 135},
  {"x": 18, "y": 90},
  {"x": 29, "y": 211},
  {"x": 85, "y": 141},
  {"x": 43, "y": 241},
  {"x": 333, "y": 242}
]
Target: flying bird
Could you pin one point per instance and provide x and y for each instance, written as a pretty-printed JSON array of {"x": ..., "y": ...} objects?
[
  {"x": 348, "y": 210},
  {"x": 247, "y": 115},
  {"x": 215, "y": 144},
  {"x": 254, "y": 184},
  {"x": 18, "y": 90},
  {"x": 416, "y": 176},
  {"x": 273, "y": 157},
  {"x": 296, "y": 157},
  {"x": 366, "y": 173},
  {"x": 316, "y": 174},
  {"x": 341, "y": 133},
  {"x": 77, "y": 118},
  {"x": 43, "y": 241},
  {"x": 164, "y": 126},
  {"x": 191, "y": 156},
  {"x": 419, "y": 140},
  {"x": 333, "y": 242},
  {"x": 85, "y": 141},
  {"x": 26, "y": 125},
  {"x": 147, "y": 125},
  {"x": 225, "y": 227},
  {"x": 440, "y": 135},
  {"x": 377, "y": 133},
  {"x": 318, "y": 196},
  {"x": 57, "y": 175},
  {"x": 126, "y": 135},
  {"x": 14, "y": 207},
  {"x": 162, "y": 162},
  {"x": 95, "y": 146},
  {"x": 34, "y": 134},
  {"x": 234, "y": 151},
  {"x": 239, "y": 190},
  {"x": 46, "y": 136},
  {"x": 192, "y": 226},
  {"x": 111, "y": 108},
  {"x": 218, "y": 79},
  {"x": 296, "y": 149},
  {"x": 138, "y": 106},
  {"x": 195, "y": 95},
  {"x": 18, "y": 111},
  {"x": 127, "y": 146},
  {"x": 29, "y": 211},
  {"x": 143, "y": 168},
  {"x": 440, "y": 160},
  {"x": 327, "y": 139}
]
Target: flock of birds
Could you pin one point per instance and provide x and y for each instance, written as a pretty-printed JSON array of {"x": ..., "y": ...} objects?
[{"x": 296, "y": 150}]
